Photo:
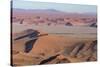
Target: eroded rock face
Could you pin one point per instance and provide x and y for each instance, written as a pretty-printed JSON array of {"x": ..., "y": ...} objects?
[
  {"x": 87, "y": 55},
  {"x": 54, "y": 49}
]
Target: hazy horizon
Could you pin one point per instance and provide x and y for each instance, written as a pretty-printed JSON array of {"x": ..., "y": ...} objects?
[{"x": 76, "y": 8}]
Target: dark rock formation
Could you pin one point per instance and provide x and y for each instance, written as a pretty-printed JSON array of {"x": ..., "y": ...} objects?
[
  {"x": 68, "y": 24},
  {"x": 93, "y": 25}
]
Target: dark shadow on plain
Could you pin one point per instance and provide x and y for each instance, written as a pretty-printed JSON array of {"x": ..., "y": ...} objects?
[{"x": 29, "y": 45}]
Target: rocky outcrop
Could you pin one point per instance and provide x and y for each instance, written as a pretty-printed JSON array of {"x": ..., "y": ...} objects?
[
  {"x": 93, "y": 25},
  {"x": 68, "y": 24}
]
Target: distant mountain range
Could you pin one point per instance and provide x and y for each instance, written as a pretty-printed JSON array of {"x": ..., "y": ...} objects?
[{"x": 51, "y": 11}]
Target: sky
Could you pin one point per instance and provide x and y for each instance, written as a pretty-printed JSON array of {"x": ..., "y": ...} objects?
[{"x": 21, "y": 4}]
